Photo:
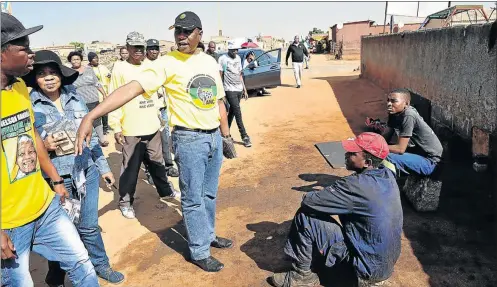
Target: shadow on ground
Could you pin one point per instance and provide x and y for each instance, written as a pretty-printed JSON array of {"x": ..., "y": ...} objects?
[
  {"x": 163, "y": 219},
  {"x": 458, "y": 238},
  {"x": 358, "y": 99},
  {"x": 321, "y": 181}
]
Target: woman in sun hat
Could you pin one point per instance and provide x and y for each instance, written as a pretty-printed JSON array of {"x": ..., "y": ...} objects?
[{"x": 58, "y": 110}]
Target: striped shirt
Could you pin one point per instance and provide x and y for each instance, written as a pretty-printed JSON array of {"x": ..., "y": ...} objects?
[{"x": 87, "y": 84}]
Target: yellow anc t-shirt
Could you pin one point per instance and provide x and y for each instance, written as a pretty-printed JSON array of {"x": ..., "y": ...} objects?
[
  {"x": 101, "y": 71},
  {"x": 138, "y": 117},
  {"x": 161, "y": 92},
  {"x": 193, "y": 87},
  {"x": 25, "y": 194}
]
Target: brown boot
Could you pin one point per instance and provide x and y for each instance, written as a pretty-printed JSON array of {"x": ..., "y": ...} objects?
[{"x": 295, "y": 279}]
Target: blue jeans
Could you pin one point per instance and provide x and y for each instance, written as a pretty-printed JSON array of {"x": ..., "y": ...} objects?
[
  {"x": 199, "y": 157},
  {"x": 87, "y": 227},
  {"x": 54, "y": 237},
  {"x": 408, "y": 163}
]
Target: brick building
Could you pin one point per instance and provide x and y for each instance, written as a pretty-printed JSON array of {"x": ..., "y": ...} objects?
[{"x": 351, "y": 33}]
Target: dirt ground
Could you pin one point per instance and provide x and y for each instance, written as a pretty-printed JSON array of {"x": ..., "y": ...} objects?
[{"x": 260, "y": 191}]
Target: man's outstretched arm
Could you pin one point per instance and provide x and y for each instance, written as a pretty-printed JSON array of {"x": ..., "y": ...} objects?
[{"x": 117, "y": 99}]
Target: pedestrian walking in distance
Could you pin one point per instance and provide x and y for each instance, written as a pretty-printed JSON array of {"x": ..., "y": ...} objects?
[{"x": 298, "y": 52}]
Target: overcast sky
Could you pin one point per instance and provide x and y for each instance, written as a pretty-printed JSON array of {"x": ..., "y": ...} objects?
[{"x": 111, "y": 21}]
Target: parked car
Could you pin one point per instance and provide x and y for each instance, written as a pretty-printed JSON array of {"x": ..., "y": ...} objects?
[{"x": 267, "y": 74}]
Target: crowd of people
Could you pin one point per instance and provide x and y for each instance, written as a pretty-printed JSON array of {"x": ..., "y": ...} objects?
[{"x": 179, "y": 105}]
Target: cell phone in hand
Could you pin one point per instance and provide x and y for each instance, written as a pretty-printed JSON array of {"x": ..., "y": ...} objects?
[
  {"x": 59, "y": 136},
  {"x": 108, "y": 183}
]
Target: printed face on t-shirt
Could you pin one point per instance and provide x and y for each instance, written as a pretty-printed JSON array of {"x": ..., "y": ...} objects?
[
  {"x": 18, "y": 145},
  {"x": 26, "y": 157}
]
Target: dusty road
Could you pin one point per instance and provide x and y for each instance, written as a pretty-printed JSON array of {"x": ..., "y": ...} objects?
[{"x": 260, "y": 191}]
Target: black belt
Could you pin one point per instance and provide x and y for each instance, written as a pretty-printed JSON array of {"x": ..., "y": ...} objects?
[{"x": 180, "y": 128}]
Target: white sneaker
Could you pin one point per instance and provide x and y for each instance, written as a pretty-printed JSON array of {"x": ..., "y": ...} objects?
[{"x": 128, "y": 212}]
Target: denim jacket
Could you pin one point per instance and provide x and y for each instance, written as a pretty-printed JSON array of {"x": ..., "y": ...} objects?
[{"x": 75, "y": 109}]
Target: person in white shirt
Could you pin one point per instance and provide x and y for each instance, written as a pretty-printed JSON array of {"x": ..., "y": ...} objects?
[{"x": 230, "y": 68}]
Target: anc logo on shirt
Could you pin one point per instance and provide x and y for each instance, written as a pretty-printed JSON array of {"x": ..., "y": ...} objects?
[{"x": 202, "y": 88}]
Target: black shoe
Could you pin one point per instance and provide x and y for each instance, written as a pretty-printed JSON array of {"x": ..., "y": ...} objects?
[
  {"x": 172, "y": 172},
  {"x": 209, "y": 264},
  {"x": 222, "y": 243},
  {"x": 298, "y": 86},
  {"x": 149, "y": 178},
  {"x": 265, "y": 92},
  {"x": 247, "y": 142}
]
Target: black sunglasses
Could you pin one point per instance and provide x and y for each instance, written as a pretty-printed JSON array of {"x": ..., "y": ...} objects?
[{"x": 179, "y": 30}]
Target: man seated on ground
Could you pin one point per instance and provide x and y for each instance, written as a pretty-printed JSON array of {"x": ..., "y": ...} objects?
[
  {"x": 412, "y": 132},
  {"x": 370, "y": 212}
]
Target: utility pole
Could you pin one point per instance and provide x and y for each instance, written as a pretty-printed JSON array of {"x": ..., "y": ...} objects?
[
  {"x": 385, "y": 22},
  {"x": 218, "y": 18}
]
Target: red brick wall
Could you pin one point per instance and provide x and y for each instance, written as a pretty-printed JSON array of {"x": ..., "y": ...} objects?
[
  {"x": 351, "y": 36},
  {"x": 352, "y": 33}
]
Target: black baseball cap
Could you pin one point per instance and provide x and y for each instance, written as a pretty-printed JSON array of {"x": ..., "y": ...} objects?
[
  {"x": 12, "y": 29},
  {"x": 187, "y": 20},
  {"x": 152, "y": 43}
]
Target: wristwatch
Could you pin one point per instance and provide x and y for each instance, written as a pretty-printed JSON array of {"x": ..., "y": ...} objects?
[{"x": 61, "y": 181}]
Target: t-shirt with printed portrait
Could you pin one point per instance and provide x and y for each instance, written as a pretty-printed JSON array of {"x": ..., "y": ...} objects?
[{"x": 25, "y": 194}]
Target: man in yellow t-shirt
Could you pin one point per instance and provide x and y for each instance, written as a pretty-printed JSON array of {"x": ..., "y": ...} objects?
[
  {"x": 103, "y": 76},
  {"x": 198, "y": 117},
  {"x": 31, "y": 213},
  {"x": 136, "y": 127}
]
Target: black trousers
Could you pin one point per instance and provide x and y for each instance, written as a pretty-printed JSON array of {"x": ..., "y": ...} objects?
[
  {"x": 105, "y": 123},
  {"x": 235, "y": 111},
  {"x": 138, "y": 149}
]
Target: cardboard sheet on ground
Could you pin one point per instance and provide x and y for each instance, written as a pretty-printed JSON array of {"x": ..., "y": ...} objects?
[{"x": 333, "y": 152}]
